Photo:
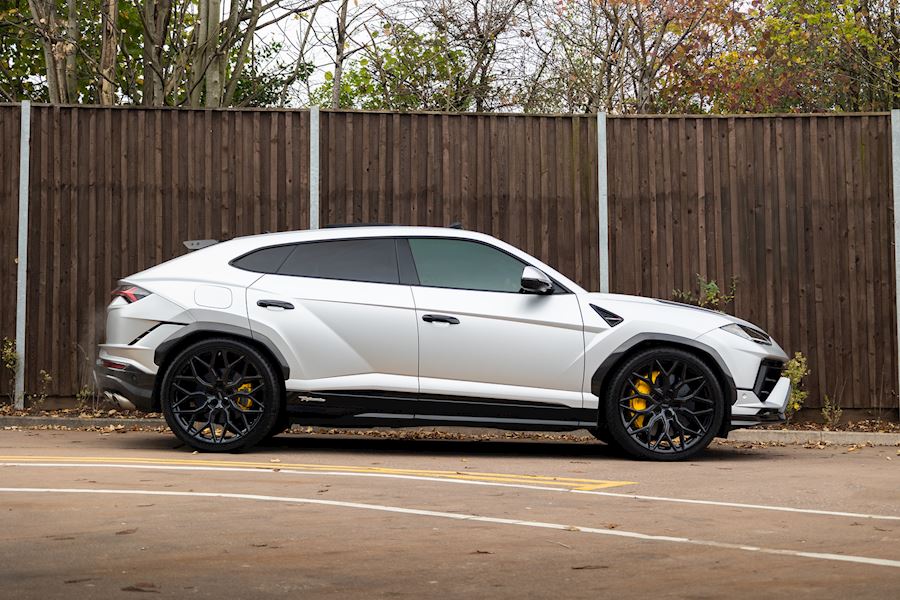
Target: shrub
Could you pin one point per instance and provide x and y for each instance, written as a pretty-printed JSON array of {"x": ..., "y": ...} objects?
[
  {"x": 10, "y": 359},
  {"x": 831, "y": 411},
  {"x": 795, "y": 370},
  {"x": 709, "y": 295}
]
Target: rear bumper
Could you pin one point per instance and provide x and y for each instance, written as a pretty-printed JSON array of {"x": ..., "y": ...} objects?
[
  {"x": 748, "y": 410},
  {"x": 129, "y": 387}
]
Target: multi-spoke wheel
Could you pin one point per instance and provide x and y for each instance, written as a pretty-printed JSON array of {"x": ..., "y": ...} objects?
[
  {"x": 220, "y": 395},
  {"x": 664, "y": 404}
]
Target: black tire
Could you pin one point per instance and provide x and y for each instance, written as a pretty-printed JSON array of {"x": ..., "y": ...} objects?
[
  {"x": 221, "y": 395},
  {"x": 664, "y": 404},
  {"x": 282, "y": 424},
  {"x": 601, "y": 432}
]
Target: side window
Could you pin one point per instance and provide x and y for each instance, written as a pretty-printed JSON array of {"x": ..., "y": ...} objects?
[
  {"x": 466, "y": 265},
  {"x": 371, "y": 260},
  {"x": 265, "y": 260}
]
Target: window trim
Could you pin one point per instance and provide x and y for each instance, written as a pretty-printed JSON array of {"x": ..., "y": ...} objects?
[{"x": 558, "y": 288}]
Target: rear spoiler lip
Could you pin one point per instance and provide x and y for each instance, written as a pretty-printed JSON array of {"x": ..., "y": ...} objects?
[{"x": 192, "y": 245}]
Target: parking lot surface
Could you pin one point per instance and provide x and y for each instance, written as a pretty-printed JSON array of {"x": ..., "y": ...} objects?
[{"x": 88, "y": 514}]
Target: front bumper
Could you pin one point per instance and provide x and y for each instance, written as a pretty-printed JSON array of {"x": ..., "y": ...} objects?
[
  {"x": 749, "y": 410},
  {"x": 130, "y": 388}
]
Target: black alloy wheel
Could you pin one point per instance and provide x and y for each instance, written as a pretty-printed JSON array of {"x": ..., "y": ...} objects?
[
  {"x": 221, "y": 395},
  {"x": 664, "y": 404}
]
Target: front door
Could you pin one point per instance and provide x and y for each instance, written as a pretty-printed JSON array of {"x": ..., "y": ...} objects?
[{"x": 486, "y": 351}]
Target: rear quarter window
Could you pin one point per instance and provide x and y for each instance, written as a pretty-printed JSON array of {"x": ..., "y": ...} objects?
[
  {"x": 372, "y": 260},
  {"x": 264, "y": 260}
]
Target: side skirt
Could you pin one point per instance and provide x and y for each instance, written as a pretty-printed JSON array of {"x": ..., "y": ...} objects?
[{"x": 392, "y": 409}]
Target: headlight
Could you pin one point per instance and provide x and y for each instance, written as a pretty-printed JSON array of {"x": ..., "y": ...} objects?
[{"x": 748, "y": 333}]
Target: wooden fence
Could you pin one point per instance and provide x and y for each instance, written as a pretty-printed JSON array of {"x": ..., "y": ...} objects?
[{"x": 797, "y": 209}]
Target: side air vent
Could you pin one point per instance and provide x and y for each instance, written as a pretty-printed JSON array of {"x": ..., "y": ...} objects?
[
  {"x": 768, "y": 376},
  {"x": 611, "y": 318}
]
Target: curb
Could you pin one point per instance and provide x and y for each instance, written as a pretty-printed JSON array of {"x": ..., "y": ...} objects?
[
  {"x": 793, "y": 436},
  {"x": 77, "y": 422},
  {"x": 784, "y": 436}
]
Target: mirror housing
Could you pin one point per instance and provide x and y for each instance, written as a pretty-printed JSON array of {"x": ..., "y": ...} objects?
[{"x": 535, "y": 281}]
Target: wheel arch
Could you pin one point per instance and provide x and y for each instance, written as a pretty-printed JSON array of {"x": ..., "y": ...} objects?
[
  {"x": 199, "y": 331},
  {"x": 639, "y": 343}
]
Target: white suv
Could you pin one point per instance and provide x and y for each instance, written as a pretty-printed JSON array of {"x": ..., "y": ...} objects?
[{"x": 403, "y": 326}]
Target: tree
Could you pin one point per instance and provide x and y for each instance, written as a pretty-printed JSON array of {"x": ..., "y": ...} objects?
[
  {"x": 109, "y": 13},
  {"x": 620, "y": 55},
  {"x": 809, "y": 55},
  {"x": 402, "y": 69},
  {"x": 482, "y": 30},
  {"x": 21, "y": 55}
]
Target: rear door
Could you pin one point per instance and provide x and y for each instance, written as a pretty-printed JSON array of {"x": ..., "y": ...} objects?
[
  {"x": 344, "y": 323},
  {"x": 486, "y": 351}
]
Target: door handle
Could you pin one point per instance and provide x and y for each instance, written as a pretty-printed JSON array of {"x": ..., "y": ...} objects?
[
  {"x": 440, "y": 319},
  {"x": 275, "y": 304}
]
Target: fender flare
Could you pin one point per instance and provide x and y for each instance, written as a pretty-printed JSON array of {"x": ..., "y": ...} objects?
[
  {"x": 206, "y": 327},
  {"x": 599, "y": 377}
]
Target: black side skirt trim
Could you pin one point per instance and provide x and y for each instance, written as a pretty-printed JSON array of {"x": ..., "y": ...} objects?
[{"x": 415, "y": 409}]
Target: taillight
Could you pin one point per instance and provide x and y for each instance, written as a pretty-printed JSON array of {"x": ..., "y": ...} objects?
[
  {"x": 111, "y": 364},
  {"x": 131, "y": 293}
]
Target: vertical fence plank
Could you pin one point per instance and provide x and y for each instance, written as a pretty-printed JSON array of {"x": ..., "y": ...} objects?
[{"x": 895, "y": 178}]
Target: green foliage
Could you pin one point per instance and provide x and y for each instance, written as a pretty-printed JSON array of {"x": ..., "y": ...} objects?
[
  {"x": 807, "y": 55},
  {"x": 796, "y": 370},
  {"x": 831, "y": 411},
  {"x": 709, "y": 294},
  {"x": 264, "y": 76},
  {"x": 545, "y": 56},
  {"x": 22, "y": 61},
  {"x": 83, "y": 395},
  {"x": 10, "y": 359},
  {"x": 37, "y": 400},
  {"x": 21, "y": 55},
  {"x": 404, "y": 70}
]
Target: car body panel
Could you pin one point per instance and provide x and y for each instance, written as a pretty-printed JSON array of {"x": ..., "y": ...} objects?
[
  {"x": 505, "y": 346},
  {"x": 340, "y": 334}
]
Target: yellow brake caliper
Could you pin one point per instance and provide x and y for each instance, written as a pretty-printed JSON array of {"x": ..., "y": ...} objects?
[
  {"x": 642, "y": 387},
  {"x": 243, "y": 402}
]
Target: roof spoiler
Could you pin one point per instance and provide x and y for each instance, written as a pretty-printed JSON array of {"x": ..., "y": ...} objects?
[{"x": 192, "y": 245}]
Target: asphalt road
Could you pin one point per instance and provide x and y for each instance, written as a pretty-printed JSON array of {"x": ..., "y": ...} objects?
[{"x": 87, "y": 514}]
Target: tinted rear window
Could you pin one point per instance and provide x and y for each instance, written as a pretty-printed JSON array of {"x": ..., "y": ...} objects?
[
  {"x": 370, "y": 260},
  {"x": 265, "y": 260}
]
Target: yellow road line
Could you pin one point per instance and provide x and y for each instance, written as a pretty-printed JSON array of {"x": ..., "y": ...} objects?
[{"x": 513, "y": 478}]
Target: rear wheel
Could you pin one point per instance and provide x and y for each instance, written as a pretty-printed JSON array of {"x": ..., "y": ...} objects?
[
  {"x": 221, "y": 395},
  {"x": 664, "y": 404}
]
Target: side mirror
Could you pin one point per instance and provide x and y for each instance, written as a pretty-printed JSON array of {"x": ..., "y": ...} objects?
[{"x": 535, "y": 281}]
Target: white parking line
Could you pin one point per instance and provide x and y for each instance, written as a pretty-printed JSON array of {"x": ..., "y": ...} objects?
[
  {"x": 882, "y": 562},
  {"x": 278, "y": 470}
]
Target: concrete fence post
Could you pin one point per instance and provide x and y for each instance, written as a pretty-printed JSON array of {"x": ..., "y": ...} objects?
[
  {"x": 314, "y": 167},
  {"x": 603, "y": 207},
  {"x": 22, "y": 252}
]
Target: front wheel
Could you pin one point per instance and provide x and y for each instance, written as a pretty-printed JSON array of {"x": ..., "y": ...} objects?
[
  {"x": 220, "y": 395},
  {"x": 664, "y": 404}
]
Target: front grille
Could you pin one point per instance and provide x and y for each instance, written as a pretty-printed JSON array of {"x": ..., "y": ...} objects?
[{"x": 768, "y": 376}]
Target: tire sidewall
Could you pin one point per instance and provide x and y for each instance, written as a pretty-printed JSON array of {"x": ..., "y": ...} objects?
[
  {"x": 271, "y": 412},
  {"x": 616, "y": 428}
]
